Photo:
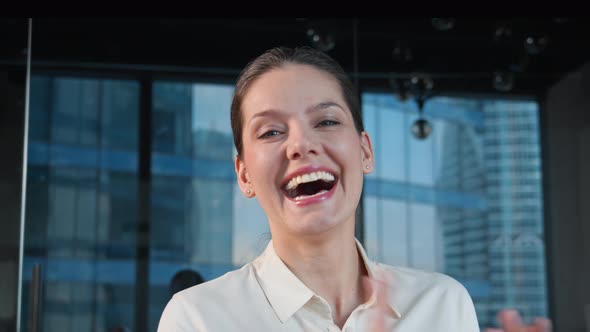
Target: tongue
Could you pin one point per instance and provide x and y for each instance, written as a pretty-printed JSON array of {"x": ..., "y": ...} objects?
[{"x": 300, "y": 197}]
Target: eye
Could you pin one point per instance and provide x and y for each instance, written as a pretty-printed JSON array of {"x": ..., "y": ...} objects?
[
  {"x": 269, "y": 133},
  {"x": 326, "y": 123}
]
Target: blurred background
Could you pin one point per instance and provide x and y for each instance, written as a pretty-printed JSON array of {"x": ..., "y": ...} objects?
[{"x": 118, "y": 173}]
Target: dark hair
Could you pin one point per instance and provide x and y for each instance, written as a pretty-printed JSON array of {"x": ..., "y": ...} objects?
[
  {"x": 276, "y": 58},
  {"x": 184, "y": 279}
]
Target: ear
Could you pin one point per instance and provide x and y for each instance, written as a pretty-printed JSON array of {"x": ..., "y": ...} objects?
[
  {"x": 243, "y": 178},
  {"x": 367, "y": 155}
]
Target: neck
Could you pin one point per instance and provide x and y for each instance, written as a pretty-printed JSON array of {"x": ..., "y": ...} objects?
[{"x": 330, "y": 267}]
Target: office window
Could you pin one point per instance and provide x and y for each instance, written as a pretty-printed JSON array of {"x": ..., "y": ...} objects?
[
  {"x": 466, "y": 201},
  {"x": 82, "y": 170},
  {"x": 200, "y": 218}
]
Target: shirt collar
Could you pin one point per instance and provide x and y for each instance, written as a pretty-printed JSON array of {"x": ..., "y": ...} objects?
[
  {"x": 286, "y": 293},
  {"x": 371, "y": 267}
]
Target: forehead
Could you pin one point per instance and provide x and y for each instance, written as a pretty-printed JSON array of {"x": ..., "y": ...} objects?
[{"x": 291, "y": 86}]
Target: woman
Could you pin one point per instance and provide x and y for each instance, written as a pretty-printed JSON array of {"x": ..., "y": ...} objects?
[{"x": 303, "y": 152}]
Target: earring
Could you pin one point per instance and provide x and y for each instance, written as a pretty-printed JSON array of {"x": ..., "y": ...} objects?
[
  {"x": 367, "y": 167},
  {"x": 248, "y": 192}
]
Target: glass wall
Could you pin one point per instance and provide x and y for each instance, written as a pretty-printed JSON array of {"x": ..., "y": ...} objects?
[
  {"x": 201, "y": 221},
  {"x": 81, "y": 194},
  {"x": 82, "y": 197},
  {"x": 466, "y": 201}
]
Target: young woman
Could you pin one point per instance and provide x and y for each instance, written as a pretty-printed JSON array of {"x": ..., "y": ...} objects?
[{"x": 303, "y": 152}]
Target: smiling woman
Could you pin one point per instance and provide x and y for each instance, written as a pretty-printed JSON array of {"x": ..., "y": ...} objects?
[
  {"x": 294, "y": 132},
  {"x": 303, "y": 152}
]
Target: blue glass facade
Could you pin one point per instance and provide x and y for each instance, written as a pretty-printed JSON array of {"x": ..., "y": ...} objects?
[{"x": 466, "y": 201}]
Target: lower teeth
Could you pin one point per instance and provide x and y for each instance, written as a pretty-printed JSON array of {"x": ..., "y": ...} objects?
[{"x": 300, "y": 197}]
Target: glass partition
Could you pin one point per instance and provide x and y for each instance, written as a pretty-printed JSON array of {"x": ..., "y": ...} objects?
[
  {"x": 466, "y": 201},
  {"x": 200, "y": 219},
  {"x": 81, "y": 190}
]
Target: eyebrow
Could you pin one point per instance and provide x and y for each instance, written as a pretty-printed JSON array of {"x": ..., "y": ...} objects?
[
  {"x": 324, "y": 105},
  {"x": 316, "y": 107}
]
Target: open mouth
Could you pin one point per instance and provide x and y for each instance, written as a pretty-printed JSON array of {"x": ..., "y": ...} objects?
[{"x": 309, "y": 185}]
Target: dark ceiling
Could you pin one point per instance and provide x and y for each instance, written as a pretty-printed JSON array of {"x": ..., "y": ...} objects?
[{"x": 460, "y": 55}]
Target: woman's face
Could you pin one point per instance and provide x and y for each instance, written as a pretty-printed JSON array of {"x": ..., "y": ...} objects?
[{"x": 302, "y": 156}]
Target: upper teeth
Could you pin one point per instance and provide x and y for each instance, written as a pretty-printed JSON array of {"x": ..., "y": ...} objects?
[{"x": 310, "y": 177}]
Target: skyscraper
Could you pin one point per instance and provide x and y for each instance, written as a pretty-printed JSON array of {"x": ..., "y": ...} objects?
[
  {"x": 499, "y": 249},
  {"x": 474, "y": 185}
]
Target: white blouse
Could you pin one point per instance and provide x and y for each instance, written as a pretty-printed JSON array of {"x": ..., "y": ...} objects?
[{"x": 264, "y": 295}]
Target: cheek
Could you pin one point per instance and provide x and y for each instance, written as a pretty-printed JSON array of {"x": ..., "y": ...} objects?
[
  {"x": 349, "y": 148},
  {"x": 260, "y": 163}
]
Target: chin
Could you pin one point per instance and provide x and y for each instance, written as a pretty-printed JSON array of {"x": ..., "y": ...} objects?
[{"x": 307, "y": 226}]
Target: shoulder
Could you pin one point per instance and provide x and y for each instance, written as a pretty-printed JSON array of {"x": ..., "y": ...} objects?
[
  {"x": 189, "y": 308},
  {"x": 410, "y": 283},
  {"x": 417, "y": 294},
  {"x": 222, "y": 287}
]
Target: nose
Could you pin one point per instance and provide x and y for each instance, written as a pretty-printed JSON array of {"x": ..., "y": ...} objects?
[{"x": 301, "y": 144}]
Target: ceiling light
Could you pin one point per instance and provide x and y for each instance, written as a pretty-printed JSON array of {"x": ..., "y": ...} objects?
[
  {"x": 443, "y": 24},
  {"x": 535, "y": 44},
  {"x": 503, "y": 81},
  {"x": 322, "y": 41},
  {"x": 421, "y": 85},
  {"x": 502, "y": 34},
  {"x": 421, "y": 128}
]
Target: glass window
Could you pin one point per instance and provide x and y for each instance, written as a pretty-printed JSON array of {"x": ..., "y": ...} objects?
[
  {"x": 385, "y": 124},
  {"x": 200, "y": 218},
  {"x": 82, "y": 169},
  {"x": 466, "y": 201}
]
